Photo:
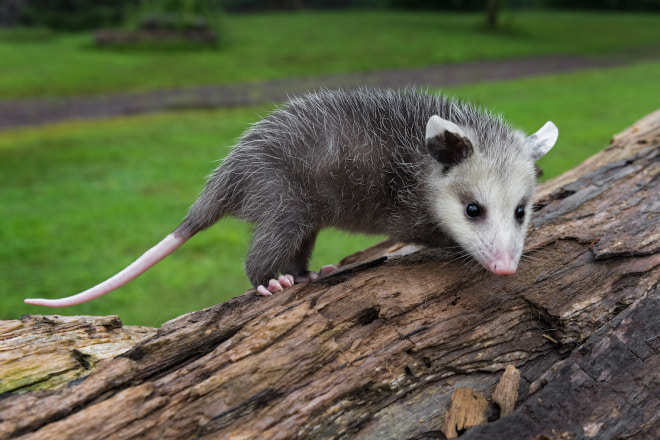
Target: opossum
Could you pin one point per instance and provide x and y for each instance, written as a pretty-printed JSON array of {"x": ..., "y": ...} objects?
[{"x": 419, "y": 167}]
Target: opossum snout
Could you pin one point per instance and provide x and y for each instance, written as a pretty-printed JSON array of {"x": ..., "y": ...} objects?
[{"x": 503, "y": 264}]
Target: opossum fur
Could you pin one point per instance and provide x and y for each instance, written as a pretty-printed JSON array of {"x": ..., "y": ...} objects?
[{"x": 419, "y": 167}]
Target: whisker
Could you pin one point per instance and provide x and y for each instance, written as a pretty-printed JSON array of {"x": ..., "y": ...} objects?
[
  {"x": 529, "y": 258},
  {"x": 460, "y": 257}
]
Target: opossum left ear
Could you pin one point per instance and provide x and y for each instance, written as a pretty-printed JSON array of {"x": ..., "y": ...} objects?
[
  {"x": 447, "y": 142},
  {"x": 539, "y": 143}
]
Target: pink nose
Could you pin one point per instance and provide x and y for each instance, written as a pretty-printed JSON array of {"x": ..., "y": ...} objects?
[{"x": 503, "y": 266}]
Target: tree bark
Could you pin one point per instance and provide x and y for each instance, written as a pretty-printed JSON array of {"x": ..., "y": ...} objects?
[{"x": 376, "y": 349}]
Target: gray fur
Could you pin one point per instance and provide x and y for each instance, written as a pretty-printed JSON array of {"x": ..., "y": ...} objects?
[
  {"x": 354, "y": 160},
  {"x": 376, "y": 162}
]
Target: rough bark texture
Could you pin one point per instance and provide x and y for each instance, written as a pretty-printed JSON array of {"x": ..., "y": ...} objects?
[
  {"x": 376, "y": 350},
  {"x": 48, "y": 352}
]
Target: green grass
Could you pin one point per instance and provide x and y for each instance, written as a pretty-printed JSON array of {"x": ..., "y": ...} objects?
[
  {"x": 267, "y": 46},
  {"x": 81, "y": 200}
]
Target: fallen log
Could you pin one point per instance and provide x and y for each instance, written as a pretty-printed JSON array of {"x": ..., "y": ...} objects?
[{"x": 377, "y": 349}]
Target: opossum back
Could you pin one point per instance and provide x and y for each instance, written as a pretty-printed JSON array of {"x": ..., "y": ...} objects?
[
  {"x": 335, "y": 152},
  {"x": 332, "y": 152}
]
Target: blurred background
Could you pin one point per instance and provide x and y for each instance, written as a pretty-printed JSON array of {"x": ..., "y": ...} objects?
[{"x": 112, "y": 112}]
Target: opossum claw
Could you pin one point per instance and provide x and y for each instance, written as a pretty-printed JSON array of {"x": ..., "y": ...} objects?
[
  {"x": 286, "y": 280},
  {"x": 307, "y": 278},
  {"x": 328, "y": 269},
  {"x": 262, "y": 291},
  {"x": 276, "y": 285}
]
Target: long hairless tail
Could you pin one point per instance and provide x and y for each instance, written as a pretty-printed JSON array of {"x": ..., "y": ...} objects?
[{"x": 168, "y": 245}]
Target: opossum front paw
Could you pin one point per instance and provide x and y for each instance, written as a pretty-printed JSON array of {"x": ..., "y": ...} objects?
[
  {"x": 311, "y": 276},
  {"x": 276, "y": 285}
]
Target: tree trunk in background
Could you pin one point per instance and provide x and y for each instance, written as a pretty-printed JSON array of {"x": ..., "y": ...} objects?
[
  {"x": 376, "y": 350},
  {"x": 10, "y": 12},
  {"x": 492, "y": 9}
]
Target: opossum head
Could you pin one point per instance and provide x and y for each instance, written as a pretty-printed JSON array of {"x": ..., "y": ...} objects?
[{"x": 482, "y": 187}]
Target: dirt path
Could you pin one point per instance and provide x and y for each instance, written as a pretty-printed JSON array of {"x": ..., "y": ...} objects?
[{"x": 39, "y": 111}]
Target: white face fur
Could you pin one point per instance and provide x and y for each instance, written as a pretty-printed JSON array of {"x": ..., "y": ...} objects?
[{"x": 484, "y": 201}]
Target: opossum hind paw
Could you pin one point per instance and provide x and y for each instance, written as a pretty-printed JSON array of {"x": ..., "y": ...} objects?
[
  {"x": 284, "y": 281},
  {"x": 328, "y": 269},
  {"x": 307, "y": 278},
  {"x": 275, "y": 285}
]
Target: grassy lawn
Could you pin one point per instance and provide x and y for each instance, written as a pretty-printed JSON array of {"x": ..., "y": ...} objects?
[
  {"x": 267, "y": 46},
  {"x": 81, "y": 200}
]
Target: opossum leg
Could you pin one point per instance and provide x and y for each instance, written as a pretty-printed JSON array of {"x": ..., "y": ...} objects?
[
  {"x": 279, "y": 245},
  {"x": 298, "y": 264},
  {"x": 295, "y": 271}
]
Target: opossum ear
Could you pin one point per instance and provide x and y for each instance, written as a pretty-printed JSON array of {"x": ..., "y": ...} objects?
[
  {"x": 447, "y": 142},
  {"x": 539, "y": 143}
]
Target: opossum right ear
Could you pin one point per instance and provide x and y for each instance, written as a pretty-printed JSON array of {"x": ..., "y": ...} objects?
[
  {"x": 447, "y": 142},
  {"x": 542, "y": 141}
]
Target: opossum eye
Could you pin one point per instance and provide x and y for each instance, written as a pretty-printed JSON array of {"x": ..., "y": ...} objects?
[
  {"x": 473, "y": 210},
  {"x": 520, "y": 213}
]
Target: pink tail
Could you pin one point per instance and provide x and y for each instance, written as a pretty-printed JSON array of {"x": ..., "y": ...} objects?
[{"x": 168, "y": 245}]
